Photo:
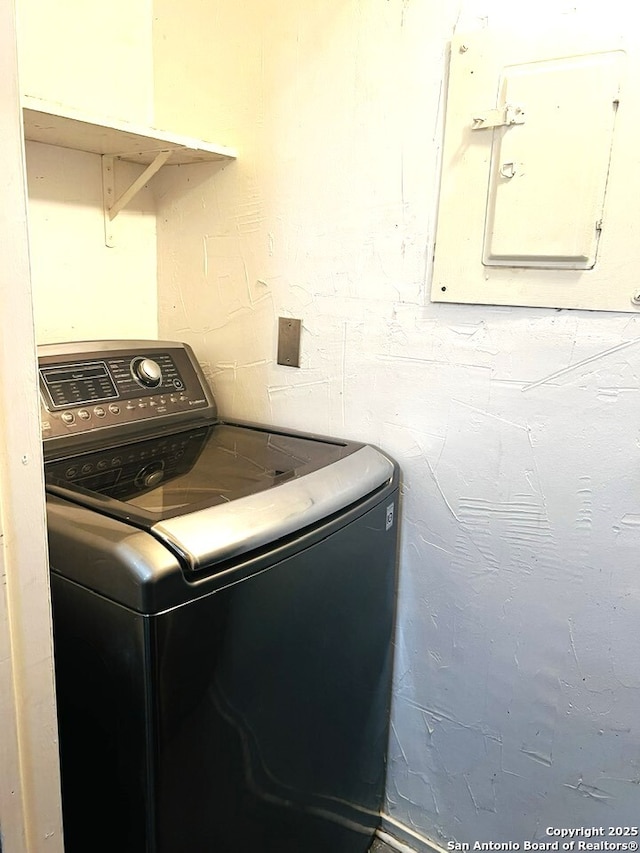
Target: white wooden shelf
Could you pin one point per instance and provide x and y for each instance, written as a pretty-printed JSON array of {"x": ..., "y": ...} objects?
[
  {"x": 115, "y": 140},
  {"x": 55, "y": 124}
]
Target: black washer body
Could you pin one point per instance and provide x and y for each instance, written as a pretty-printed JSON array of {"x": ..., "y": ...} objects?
[{"x": 220, "y": 701}]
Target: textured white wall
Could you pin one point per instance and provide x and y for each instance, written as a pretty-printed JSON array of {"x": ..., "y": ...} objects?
[
  {"x": 518, "y": 655},
  {"x": 82, "y": 289}
]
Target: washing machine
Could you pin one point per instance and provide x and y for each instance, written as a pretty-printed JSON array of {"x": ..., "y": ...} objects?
[{"x": 223, "y": 607}]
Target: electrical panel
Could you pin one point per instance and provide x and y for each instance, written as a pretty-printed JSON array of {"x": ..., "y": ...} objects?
[{"x": 538, "y": 172}]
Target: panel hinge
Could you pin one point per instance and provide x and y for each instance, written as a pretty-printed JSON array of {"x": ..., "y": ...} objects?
[{"x": 500, "y": 117}]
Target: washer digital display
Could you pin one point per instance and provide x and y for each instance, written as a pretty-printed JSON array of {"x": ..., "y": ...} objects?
[{"x": 78, "y": 384}]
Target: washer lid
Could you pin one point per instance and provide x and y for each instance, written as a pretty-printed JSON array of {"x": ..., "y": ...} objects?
[
  {"x": 221, "y": 532},
  {"x": 215, "y": 492}
]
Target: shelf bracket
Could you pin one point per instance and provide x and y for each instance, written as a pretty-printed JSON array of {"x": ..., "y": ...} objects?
[{"x": 113, "y": 206}]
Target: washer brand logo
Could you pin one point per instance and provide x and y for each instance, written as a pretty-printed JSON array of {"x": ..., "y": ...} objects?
[{"x": 390, "y": 511}]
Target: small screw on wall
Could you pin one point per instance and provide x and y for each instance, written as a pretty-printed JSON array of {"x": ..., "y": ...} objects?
[{"x": 636, "y": 298}]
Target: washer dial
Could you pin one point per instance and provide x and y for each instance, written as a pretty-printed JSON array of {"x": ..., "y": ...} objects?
[{"x": 147, "y": 372}]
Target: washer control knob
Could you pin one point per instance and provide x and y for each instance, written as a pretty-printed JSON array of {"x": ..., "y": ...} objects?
[{"x": 147, "y": 371}]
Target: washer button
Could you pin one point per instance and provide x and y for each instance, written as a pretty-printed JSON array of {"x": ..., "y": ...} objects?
[
  {"x": 99, "y": 412},
  {"x": 84, "y": 415},
  {"x": 115, "y": 410},
  {"x": 68, "y": 417}
]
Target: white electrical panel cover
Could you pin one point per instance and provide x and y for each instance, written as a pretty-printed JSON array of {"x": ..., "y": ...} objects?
[{"x": 540, "y": 173}]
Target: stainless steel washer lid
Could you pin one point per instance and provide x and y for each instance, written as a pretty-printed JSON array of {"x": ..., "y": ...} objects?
[{"x": 225, "y": 531}]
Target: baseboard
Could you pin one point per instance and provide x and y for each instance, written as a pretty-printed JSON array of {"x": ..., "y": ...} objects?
[{"x": 403, "y": 839}]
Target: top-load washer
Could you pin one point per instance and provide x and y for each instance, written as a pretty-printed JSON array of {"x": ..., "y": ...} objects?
[{"x": 223, "y": 605}]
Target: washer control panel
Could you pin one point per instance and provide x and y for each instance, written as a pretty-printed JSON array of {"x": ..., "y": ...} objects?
[{"x": 110, "y": 384}]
